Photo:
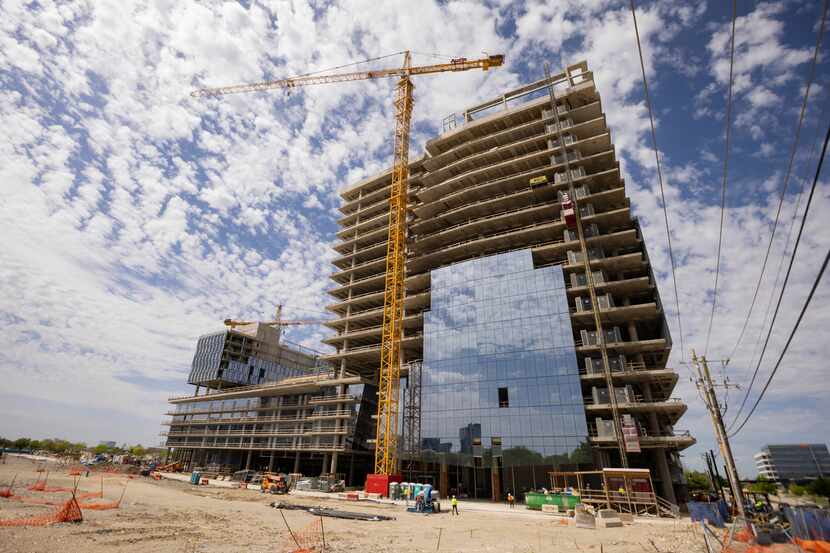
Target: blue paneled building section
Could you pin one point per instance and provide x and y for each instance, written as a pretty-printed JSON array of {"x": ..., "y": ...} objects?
[
  {"x": 235, "y": 359},
  {"x": 500, "y": 377}
]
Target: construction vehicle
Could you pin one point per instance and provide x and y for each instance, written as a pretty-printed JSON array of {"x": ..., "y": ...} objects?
[
  {"x": 170, "y": 467},
  {"x": 388, "y": 381},
  {"x": 274, "y": 483}
]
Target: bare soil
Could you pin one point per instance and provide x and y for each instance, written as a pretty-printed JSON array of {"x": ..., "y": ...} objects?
[{"x": 169, "y": 516}]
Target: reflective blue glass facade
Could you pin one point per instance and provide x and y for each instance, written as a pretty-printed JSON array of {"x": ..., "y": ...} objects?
[
  {"x": 499, "y": 363},
  {"x": 217, "y": 360}
]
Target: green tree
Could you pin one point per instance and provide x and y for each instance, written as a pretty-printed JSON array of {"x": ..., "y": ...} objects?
[
  {"x": 762, "y": 485},
  {"x": 137, "y": 451},
  {"x": 100, "y": 449},
  {"x": 797, "y": 490},
  {"x": 820, "y": 487},
  {"x": 22, "y": 443},
  {"x": 698, "y": 480}
]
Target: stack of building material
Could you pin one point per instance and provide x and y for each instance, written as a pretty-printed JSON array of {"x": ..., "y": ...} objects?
[{"x": 608, "y": 518}]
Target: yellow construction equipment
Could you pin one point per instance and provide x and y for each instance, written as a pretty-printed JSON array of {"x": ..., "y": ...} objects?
[{"x": 393, "y": 297}]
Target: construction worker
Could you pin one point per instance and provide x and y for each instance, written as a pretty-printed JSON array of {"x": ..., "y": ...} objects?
[
  {"x": 511, "y": 501},
  {"x": 454, "y": 503},
  {"x": 406, "y": 491}
]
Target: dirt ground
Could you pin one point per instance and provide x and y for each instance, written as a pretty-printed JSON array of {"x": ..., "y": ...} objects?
[{"x": 168, "y": 516}]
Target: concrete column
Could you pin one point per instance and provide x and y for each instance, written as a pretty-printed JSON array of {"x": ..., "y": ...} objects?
[
  {"x": 653, "y": 425},
  {"x": 248, "y": 462},
  {"x": 665, "y": 475},
  {"x": 271, "y": 462},
  {"x": 632, "y": 331},
  {"x": 325, "y": 462},
  {"x": 333, "y": 468},
  {"x": 297, "y": 463}
]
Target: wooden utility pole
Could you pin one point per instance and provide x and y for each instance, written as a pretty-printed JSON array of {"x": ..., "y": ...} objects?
[{"x": 707, "y": 389}]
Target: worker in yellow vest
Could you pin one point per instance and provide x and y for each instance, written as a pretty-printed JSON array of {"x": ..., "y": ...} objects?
[{"x": 454, "y": 503}]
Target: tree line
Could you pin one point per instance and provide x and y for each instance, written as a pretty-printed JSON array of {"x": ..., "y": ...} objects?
[{"x": 65, "y": 447}]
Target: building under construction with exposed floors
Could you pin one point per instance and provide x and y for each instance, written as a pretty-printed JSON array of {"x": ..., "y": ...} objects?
[
  {"x": 529, "y": 329},
  {"x": 534, "y": 335}
]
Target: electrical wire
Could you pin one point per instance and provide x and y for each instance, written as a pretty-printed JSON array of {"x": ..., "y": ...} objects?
[
  {"x": 727, "y": 141},
  {"x": 660, "y": 180},
  {"x": 809, "y": 296},
  {"x": 791, "y": 227},
  {"x": 810, "y": 79},
  {"x": 785, "y": 182}
]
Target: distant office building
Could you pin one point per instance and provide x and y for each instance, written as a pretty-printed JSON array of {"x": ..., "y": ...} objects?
[{"x": 793, "y": 462}]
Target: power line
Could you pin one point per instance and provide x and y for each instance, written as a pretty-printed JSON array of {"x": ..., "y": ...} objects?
[
  {"x": 786, "y": 181},
  {"x": 783, "y": 288},
  {"x": 791, "y": 227},
  {"x": 810, "y": 79},
  {"x": 754, "y": 357},
  {"x": 727, "y": 141},
  {"x": 660, "y": 180}
]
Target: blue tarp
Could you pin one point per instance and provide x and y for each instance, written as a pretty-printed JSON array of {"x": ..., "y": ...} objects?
[
  {"x": 808, "y": 523},
  {"x": 713, "y": 513}
]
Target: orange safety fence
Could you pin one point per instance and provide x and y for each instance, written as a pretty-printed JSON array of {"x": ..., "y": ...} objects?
[
  {"x": 106, "y": 506},
  {"x": 308, "y": 540},
  {"x": 814, "y": 546},
  {"x": 69, "y": 512},
  {"x": 35, "y": 500},
  {"x": 7, "y": 491}
]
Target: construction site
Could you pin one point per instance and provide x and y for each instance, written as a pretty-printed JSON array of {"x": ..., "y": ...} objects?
[
  {"x": 521, "y": 251},
  {"x": 494, "y": 374}
]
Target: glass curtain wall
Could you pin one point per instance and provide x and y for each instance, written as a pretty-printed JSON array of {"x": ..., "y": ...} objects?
[{"x": 501, "y": 398}]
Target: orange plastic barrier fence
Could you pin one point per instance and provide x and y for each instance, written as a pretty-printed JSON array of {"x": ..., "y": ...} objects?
[
  {"x": 69, "y": 512},
  {"x": 309, "y": 539},
  {"x": 101, "y": 506},
  {"x": 814, "y": 546},
  {"x": 35, "y": 500}
]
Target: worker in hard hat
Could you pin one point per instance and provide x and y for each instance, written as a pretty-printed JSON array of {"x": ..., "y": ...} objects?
[
  {"x": 511, "y": 501},
  {"x": 454, "y": 503}
]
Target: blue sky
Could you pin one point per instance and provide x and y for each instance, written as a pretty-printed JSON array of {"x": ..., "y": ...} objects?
[{"x": 135, "y": 217}]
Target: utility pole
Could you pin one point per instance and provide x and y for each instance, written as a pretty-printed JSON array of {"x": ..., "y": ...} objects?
[{"x": 707, "y": 389}]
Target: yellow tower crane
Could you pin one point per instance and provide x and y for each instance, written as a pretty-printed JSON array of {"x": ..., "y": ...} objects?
[{"x": 393, "y": 296}]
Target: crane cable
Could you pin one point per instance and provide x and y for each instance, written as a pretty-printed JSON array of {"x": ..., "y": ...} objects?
[
  {"x": 660, "y": 180},
  {"x": 783, "y": 193},
  {"x": 784, "y": 185},
  {"x": 809, "y": 296},
  {"x": 727, "y": 141}
]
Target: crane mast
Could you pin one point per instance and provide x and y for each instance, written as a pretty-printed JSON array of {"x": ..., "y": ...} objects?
[
  {"x": 389, "y": 371},
  {"x": 389, "y": 374}
]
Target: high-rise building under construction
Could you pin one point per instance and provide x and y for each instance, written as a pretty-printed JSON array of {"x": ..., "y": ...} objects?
[{"x": 534, "y": 335}]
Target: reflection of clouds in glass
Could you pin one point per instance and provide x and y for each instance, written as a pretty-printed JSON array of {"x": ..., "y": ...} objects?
[{"x": 497, "y": 322}]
